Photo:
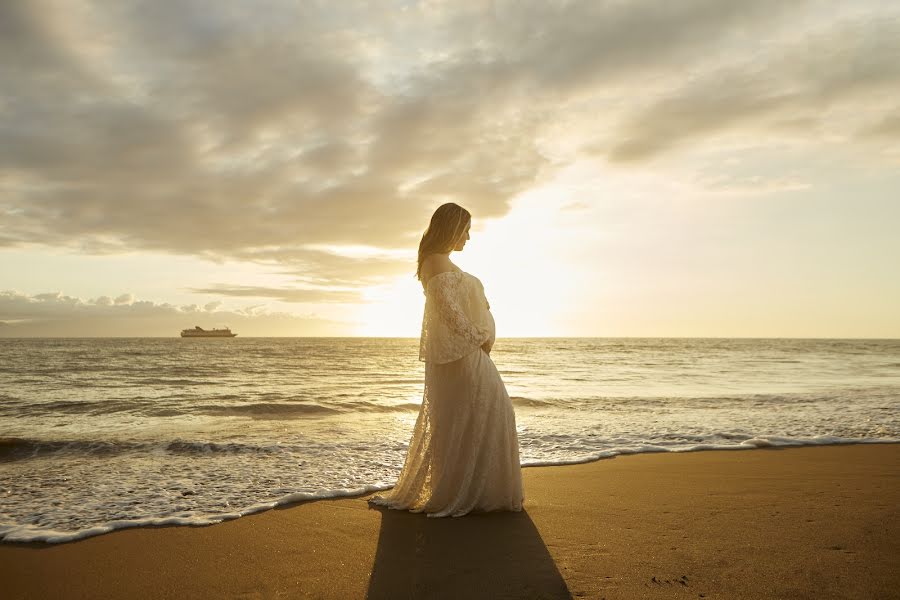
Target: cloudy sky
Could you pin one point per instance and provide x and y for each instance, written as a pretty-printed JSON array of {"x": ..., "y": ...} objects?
[{"x": 634, "y": 168}]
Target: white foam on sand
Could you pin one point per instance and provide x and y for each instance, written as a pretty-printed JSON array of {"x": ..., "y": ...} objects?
[
  {"x": 30, "y": 533},
  {"x": 33, "y": 533},
  {"x": 749, "y": 444}
]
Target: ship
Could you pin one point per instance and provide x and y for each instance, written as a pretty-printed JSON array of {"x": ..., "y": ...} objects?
[{"x": 200, "y": 332}]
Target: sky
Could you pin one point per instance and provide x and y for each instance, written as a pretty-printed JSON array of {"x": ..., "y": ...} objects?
[{"x": 693, "y": 169}]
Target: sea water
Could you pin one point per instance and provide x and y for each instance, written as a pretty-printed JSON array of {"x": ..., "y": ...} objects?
[{"x": 99, "y": 434}]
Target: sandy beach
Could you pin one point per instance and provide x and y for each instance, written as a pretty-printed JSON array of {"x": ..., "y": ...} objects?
[{"x": 809, "y": 522}]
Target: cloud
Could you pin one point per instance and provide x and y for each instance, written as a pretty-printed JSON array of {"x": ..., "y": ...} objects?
[
  {"x": 216, "y": 132},
  {"x": 283, "y": 294},
  {"x": 799, "y": 87},
  {"x": 254, "y": 132},
  {"x": 886, "y": 128},
  {"x": 751, "y": 185},
  {"x": 572, "y": 46},
  {"x": 55, "y": 314}
]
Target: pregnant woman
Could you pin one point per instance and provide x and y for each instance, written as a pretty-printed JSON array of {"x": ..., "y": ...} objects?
[{"x": 464, "y": 453}]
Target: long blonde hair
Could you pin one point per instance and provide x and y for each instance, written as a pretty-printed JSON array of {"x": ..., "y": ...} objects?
[{"x": 448, "y": 223}]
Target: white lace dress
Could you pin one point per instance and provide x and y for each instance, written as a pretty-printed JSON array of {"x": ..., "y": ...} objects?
[{"x": 464, "y": 453}]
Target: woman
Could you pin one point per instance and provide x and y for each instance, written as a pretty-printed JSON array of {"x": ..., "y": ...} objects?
[{"x": 464, "y": 452}]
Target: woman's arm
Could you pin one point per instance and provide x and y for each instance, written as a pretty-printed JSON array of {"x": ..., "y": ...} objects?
[
  {"x": 492, "y": 338},
  {"x": 446, "y": 298}
]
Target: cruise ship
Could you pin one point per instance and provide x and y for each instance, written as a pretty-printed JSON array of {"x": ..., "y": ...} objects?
[{"x": 200, "y": 332}]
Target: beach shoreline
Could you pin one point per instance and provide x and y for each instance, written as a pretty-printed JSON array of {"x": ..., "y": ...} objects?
[{"x": 784, "y": 522}]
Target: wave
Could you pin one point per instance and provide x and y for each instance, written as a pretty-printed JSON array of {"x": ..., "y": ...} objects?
[
  {"x": 188, "y": 447},
  {"x": 295, "y": 409},
  {"x": 530, "y": 402},
  {"x": 163, "y": 407},
  {"x": 751, "y": 443},
  {"x": 21, "y": 448},
  {"x": 367, "y": 406},
  {"x": 12, "y": 449},
  {"x": 78, "y": 407},
  {"x": 168, "y": 381},
  {"x": 266, "y": 410}
]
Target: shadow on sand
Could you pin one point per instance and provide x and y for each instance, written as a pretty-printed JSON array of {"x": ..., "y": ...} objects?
[{"x": 487, "y": 555}]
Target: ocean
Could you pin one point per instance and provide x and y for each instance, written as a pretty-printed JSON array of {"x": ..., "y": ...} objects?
[{"x": 98, "y": 434}]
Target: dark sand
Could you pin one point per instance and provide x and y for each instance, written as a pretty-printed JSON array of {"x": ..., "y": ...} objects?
[{"x": 812, "y": 522}]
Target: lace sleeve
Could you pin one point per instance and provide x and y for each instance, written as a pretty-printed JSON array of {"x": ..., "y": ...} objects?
[
  {"x": 449, "y": 331},
  {"x": 446, "y": 298},
  {"x": 492, "y": 332}
]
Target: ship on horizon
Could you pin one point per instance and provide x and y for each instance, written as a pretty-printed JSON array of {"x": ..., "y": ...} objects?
[{"x": 200, "y": 332}]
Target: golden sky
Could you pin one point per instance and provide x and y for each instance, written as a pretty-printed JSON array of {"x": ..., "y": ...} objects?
[{"x": 634, "y": 168}]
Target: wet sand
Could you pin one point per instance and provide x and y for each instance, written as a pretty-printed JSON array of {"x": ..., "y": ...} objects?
[{"x": 811, "y": 522}]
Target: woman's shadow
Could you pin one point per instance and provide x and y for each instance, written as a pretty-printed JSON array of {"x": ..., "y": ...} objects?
[{"x": 486, "y": 555}]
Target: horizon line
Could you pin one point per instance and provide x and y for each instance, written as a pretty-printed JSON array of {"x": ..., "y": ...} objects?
[{"x": 402, "y": 337}]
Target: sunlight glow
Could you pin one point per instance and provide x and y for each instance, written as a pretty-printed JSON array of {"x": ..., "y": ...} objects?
[
  {"x": 392, "y": 310},
  {"x": 362, "y": 251},
  {"x": 521, "y": 261}
]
